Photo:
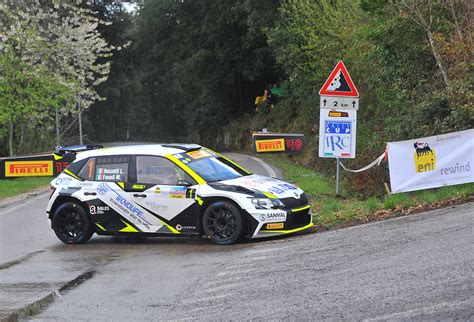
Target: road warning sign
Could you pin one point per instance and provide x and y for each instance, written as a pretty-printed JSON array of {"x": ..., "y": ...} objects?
[{"x": 339, "y": 83}]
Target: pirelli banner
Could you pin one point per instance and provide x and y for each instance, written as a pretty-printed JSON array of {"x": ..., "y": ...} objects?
[
  {"x": 266, "y": 142},
  {"x": 42, "y": 165},
  {"x": 431, "y": 162}
]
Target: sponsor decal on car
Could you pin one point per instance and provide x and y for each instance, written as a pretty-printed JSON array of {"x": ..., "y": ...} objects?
[
  {"x": 28, "y": 168},
  {"x": 156, "y": 206},
  {"x": 98, "y": 210},
  {"x": 63, "y": 181},
  {"x": 180, "y": 227},
  {"x": 172, "y": 192},
  {"x": 102, "y": 189},
  {"x": 130, "y": 209},
  {"x": 125, "y": 206},
  {"x": 273, "y": 217},
  {"x": 109, "y": 174},
  {"x": 178, "y": 192},
  {"x": 198, "y": 154},
  {"x": 138, "y": 186},
  {"x": 281, "y": 188},
  {"x": 275, "y": 226}
]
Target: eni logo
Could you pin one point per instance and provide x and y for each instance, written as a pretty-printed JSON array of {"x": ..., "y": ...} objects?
[{"x": 425, "y": 157}]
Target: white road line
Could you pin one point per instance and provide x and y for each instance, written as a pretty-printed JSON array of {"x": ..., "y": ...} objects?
[
  {"x": 206, "y": 299},
  {"x": 220, "y": 287},
  {"x": 236, "y": 272},
  {"x": 267, "y": 168},
  {"x": 22, "y": 203}
]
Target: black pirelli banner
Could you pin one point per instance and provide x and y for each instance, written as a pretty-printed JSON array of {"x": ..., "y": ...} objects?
[
  {"x": 266, "y": 142},
  {"x": 41, "y": 165}
]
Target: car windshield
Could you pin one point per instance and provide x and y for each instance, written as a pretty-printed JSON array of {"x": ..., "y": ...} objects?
[{"x": 216, "y": 169}]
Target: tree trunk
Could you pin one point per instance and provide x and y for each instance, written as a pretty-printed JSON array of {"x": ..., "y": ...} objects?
[
  {"x": 455, "y": 18},
  {"x": 57, "y": 127},
  {"x": 10, "y": 138},
  {"x": 22, "y": 136},
  {"x": 241, "y": 100},
  {"x": 437, "y": 57}
]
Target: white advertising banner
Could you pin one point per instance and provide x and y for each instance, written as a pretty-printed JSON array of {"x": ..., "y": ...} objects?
[{"x": 431, "y": 162}]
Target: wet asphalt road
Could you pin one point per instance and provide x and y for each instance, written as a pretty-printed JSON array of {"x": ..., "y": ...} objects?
[{"x": 417, "y": 267}]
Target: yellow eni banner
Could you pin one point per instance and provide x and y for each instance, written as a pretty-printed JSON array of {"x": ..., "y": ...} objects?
[
  {"x": 271, "y": 145},
  {"x": 425, "y": 161},
  {"x": 36, "y": 168},
  {"x": 431, "y": 162}
]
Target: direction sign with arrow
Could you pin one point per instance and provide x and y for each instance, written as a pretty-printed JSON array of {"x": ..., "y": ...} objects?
[{"x": 339, "y": 103}]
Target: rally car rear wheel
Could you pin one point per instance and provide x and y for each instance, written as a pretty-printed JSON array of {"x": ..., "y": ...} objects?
[
  {"x": 71, "y": 224},
  {"x": 222, "y": 222}
]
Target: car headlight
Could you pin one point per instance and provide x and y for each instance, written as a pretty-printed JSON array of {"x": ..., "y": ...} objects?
[{"x": 266, "y": 203}]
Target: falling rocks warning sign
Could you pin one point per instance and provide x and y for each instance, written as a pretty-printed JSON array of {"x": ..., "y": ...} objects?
[{"x": 339, "y": 83}]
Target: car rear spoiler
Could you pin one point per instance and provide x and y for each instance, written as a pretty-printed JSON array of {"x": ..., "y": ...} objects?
[
  {"x": 183, "y": 146},
  {"x": 61, "y": 151}
]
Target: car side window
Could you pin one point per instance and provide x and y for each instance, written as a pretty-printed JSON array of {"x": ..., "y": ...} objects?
[
  {"x": 87, "y": 171},
  {"x": 158, "y": 170},
  {"x": 112, "y": 168}
]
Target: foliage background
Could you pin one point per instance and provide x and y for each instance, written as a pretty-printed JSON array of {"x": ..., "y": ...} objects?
[{"x": 194, "y": 68}]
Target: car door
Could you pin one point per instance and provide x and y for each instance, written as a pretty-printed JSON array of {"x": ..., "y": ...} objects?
[
  {"x": 166, "y": 191},
  {"x": 111, "y": 207}
]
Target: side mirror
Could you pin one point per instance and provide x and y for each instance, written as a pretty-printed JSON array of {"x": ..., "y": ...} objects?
[{"x": 184, "y": 183}]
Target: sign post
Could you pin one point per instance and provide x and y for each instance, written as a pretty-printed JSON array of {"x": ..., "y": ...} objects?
[{"x": 339, "y": 102}]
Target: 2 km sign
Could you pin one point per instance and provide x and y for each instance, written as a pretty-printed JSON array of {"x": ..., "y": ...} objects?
[{"x": 339, "y": 102}]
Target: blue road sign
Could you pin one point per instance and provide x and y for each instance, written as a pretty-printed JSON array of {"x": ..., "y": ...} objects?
[{"x": 338, "y": 127}]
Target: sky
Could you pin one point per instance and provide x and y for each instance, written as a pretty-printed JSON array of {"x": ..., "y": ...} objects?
[{"x": 130, "y": 7}]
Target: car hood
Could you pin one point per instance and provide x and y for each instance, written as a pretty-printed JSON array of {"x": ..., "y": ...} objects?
[{"x": 262, "y": 184}]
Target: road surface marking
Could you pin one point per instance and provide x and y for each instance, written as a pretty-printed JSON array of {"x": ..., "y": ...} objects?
[{"x": 22, "y": 203}]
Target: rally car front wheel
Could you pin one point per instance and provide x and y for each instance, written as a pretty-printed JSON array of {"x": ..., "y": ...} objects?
[
  {"x": 222, "y": 223},
  {"x": 71, "y": 224}
]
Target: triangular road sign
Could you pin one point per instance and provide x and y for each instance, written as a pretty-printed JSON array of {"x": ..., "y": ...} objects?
[{"x": 339, "y": 83}]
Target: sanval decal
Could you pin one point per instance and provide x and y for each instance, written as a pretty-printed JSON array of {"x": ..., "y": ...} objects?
[
  {"x": 425, "y": 157},
  {"x": 272, "y": 145},
  {"x": 28, "y": 168}
]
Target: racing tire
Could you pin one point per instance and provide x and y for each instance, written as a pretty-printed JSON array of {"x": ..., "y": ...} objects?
[
  {"x": 222, "y": 223},
  {"x": 71, "y": 224}
]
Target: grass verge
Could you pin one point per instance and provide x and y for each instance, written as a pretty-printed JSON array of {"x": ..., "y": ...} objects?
[
  {"x": 332, "y": 211},
  {"x": 16, "y": 186}
]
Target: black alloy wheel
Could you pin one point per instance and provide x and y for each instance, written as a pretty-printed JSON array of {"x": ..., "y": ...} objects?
[
  {"x": 222, "y": 222},
  {"x": 71, "y": 224}
]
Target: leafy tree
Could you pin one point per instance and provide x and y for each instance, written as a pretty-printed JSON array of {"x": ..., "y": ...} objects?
[
  {"x": 192, "y": 66},
  {"x": 53, "y": 56}
]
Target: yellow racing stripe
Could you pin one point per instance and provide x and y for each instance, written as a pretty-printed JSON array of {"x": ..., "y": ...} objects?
[
  {"x": 269, "y": 195},
  {"x": 288, "y": 231},
  {"x": 100, "y": 226},
  {"x": 186, "y": 169},
  {"x": 128, "y": 228},
  {"x": 71, "y": 174},
  {"x": 301, "y": 208}
]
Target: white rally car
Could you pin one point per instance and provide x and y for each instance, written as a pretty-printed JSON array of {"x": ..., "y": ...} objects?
[{"x": 169, "y": 189}]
